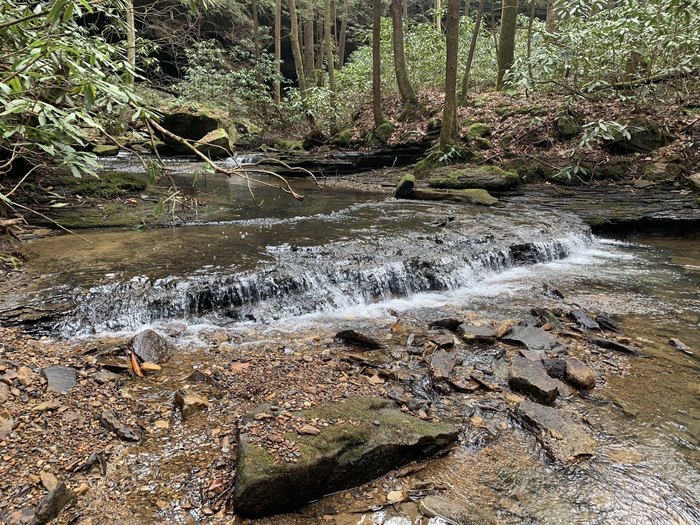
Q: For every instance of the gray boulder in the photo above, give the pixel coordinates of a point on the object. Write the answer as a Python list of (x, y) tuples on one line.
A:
[(151, 346), (364, 439), (531, 378)]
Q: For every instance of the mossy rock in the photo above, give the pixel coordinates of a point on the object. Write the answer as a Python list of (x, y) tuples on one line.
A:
[(645, 137), (105, 150), (436, 158), (568, 126), (433, 128), (342, 139), (405, 186), (107, 185), (478, 130), (614, 169), (289, 144), (215, 144), (694, 181), (530, 169), (481, 143), (473, 177), (373, 438), (190, 125), (383, 132), (471, 196)]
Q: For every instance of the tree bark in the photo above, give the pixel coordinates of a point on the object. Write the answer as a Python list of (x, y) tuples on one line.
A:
[(330, 60), (377, 62), (296, 49), (278, 50), (530, 21), (438, 15), (506, 41), (470, 54), (404, 83), (309, 56), (130, 39), (552, 17), (449, 114), (342, 36), (256, 35)]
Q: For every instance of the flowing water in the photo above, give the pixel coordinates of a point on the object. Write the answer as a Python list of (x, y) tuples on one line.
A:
[(340, 256)]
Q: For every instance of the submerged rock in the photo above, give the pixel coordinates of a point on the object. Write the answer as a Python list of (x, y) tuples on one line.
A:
[(152, 347), (584, 320), (531, 378), (373, 438), (462, 513), (564, 439), (469, 332), (355, 338), (532, 338), (614, 345)]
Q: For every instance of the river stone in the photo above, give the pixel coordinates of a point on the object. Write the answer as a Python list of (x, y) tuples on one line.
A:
[(357, 339), (462, 513), (403, 190), (188, 125), (152, 347), (442, 364), (584, 320), (190, 403), (53, 503), (7, 423), (564, 439), (613, 345), (532, 338), (215, 143), (530, 377), (694, 181), (60, 379), (470, 332), (578, 374), (375, 439), (110, 420), (105, 150), (473, 177)]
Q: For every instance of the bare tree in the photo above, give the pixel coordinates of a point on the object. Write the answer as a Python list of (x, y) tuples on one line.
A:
[(404, 83), (506, 41), (449, 113)]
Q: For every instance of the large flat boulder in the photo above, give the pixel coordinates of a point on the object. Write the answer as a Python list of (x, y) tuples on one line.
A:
[(364, 438), (459, 177), (531, 378), (532, 338), (563, 438)]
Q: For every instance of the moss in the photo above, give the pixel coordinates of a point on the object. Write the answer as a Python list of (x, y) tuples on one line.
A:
[(529, 170), (477, 177), (105, 150), (343, 138), (478, 130), (289, 144), (383, 132), (614, 169), (107, 185), (567, 126), (482, 143)]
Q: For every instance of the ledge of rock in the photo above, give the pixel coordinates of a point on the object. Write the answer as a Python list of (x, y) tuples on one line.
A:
[(471, 196), (561, 437), (364, 439), (473, 177)]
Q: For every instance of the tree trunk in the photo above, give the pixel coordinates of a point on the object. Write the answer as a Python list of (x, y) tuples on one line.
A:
[(278, 51), (438, 15), (296, 49), (256, 35), (342, 36), (377, 62), (309, 56), (402, 80), (506, 41), (130, 39), (530, 21), (470, 55), (552, 17), (329, 59), (449, 114)]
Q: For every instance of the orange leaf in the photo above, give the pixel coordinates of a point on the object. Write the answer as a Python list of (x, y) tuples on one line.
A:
[(237, 368), (135, 365)]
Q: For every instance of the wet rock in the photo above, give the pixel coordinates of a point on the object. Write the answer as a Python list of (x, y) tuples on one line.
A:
[(448, 323), (53, 503), (151, 346), (578, 374), (530, 377), (546, 317), (463, 513), (403, 190), (564, 439), (189, 403), (584, 320), (556, 368), (60, 379), (442, 364), (355, 338), (680, 345), (470, 332), (471, 196), (532, 338), (342, 455), (7, 423), (606, 323), (613, 345), (644, 137), (110, 420)]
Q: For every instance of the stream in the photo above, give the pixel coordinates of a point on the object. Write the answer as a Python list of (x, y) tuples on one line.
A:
[(344, 258)]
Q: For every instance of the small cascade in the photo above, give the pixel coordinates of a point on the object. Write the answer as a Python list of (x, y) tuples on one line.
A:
[(368, 268)]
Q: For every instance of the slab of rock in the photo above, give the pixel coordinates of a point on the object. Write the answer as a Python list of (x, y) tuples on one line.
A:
[(606, 323), (613, 345), (578, 374), (151, 346), (533, 338), (556, 368), (463, 513), (531, 378), (4, 392), (53, 503), (473, 177), (442, 364), (584, 320), (564, 439), (342, 455), (471, 196), (60, 379), (469, 332), (189, 403), (357, 339), (448, 323), (110, 420), (7, 423)]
